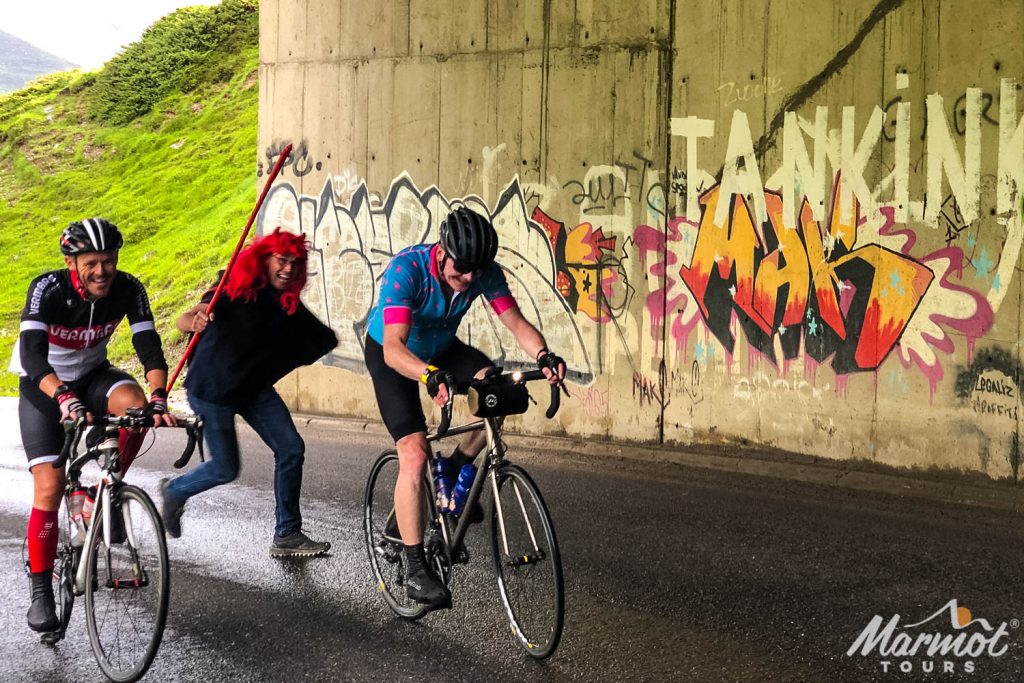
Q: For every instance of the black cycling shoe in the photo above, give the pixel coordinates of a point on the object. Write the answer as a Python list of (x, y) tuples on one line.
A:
[(421, 583), (423, 586), (42, 615)]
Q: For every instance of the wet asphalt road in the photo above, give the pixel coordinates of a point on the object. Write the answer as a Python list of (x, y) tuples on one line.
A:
[(672, 574)]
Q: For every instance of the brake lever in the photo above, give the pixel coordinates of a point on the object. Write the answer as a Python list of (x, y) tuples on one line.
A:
[(186, 454), (556, 401), (446, 417), (72, 435)]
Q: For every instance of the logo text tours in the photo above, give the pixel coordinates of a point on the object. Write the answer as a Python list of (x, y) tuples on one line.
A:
[(951, 640)]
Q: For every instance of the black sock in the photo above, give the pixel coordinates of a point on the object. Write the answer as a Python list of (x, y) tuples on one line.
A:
[(414, 556)]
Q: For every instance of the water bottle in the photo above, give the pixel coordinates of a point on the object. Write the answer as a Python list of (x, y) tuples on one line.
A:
[(76, 506), (443, 477), (88, 505), (462, 486)]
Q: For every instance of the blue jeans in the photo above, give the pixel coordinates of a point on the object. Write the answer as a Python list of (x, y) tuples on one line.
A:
[(269, 417)]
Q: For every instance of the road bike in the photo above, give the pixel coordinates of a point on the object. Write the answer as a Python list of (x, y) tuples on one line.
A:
[(524, 548), (118, 560)]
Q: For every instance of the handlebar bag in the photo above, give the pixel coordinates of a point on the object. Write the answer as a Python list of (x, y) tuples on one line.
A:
[(498, 397)]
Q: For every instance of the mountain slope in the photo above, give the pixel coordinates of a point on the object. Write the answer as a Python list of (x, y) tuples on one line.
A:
[(179, 178), (20, 62)]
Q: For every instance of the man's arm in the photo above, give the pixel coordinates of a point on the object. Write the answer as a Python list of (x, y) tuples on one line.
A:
[(529, 339), (34, 341), (156, 379), (403, 361), (397, 354)]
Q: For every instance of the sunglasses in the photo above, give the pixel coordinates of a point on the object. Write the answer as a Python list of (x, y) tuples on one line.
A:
[(463, 269)]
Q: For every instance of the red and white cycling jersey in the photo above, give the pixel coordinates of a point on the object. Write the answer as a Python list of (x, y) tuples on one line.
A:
[(62, 332)]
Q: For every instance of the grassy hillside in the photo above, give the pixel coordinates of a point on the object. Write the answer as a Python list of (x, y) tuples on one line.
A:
[(162, 141)]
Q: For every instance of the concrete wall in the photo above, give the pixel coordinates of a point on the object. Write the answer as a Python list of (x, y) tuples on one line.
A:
[(790, 223)]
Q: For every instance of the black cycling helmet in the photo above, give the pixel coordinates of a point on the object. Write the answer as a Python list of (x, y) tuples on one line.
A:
[(90, 234), (469, 239)]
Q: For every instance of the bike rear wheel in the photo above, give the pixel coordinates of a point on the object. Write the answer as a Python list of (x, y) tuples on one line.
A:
[(127, 586), (384, 545), (527, 562)]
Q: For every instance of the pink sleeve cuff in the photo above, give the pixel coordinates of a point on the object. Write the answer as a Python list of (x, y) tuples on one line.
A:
[(396, 315), (502, 304)]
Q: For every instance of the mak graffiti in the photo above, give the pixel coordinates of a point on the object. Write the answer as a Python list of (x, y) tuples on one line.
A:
[(819, 288)]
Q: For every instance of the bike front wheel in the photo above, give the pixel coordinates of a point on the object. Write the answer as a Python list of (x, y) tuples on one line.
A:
[(527, 562), (127, 585), (384, 544)]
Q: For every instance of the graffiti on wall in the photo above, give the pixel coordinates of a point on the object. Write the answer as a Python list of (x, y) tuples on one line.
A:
[(991, 387), (299, 161), (554, 273), (817, 287), (814, 262), (832, 272)]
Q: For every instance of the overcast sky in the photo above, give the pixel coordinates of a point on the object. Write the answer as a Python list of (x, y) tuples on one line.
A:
[(85, 32)]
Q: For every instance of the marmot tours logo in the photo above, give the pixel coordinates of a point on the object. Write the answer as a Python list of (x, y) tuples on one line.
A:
[(949, 641)]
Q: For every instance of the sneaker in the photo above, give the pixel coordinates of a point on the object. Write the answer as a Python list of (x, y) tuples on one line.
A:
[(423, 586), (170, 509), (42, 615), (297, 544)]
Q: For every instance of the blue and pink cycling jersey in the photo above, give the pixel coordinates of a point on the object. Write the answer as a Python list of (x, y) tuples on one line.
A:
[(410, 293)]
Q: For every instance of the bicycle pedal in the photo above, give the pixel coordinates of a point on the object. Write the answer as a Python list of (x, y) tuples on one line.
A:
[(51, 638), (387, 551), (461, 556)]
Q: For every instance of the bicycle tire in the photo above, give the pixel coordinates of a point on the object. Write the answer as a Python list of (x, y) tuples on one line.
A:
[(530, 574), (64, 573), (127, 587), (385, 550)]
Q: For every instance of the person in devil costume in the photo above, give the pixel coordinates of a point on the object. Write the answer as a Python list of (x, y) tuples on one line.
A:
[(258, 333)]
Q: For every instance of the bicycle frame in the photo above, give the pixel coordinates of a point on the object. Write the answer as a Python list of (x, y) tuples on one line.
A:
[(486, 462), (111, 479), (483, 462)]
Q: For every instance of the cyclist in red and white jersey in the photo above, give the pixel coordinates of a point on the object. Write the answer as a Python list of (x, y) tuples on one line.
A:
[(61, 357)]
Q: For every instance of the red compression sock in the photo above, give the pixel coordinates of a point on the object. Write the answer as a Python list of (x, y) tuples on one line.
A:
[(42, 539), (129, 441)]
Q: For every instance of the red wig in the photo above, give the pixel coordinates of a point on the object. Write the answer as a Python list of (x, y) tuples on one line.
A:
[(249, 274)]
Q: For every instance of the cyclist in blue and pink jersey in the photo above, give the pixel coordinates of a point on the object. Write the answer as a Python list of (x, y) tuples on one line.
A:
[(424, 294)]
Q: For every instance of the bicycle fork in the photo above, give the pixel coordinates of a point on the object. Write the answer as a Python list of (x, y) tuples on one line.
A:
[(514, 560), (104, 497)]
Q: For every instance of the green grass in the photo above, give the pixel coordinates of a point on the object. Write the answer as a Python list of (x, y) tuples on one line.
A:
[(181, 210)]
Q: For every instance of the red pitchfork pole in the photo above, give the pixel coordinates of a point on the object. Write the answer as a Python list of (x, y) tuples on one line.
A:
[(231, 264)]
